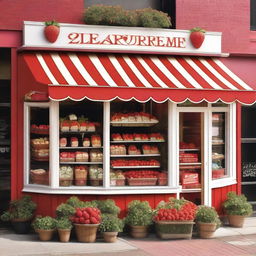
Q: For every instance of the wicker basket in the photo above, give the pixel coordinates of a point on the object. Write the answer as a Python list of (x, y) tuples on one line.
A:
[(162, 181), (117, 182), (174, 229), (66, 182), (96, 182), (41, 179), (142, 181)]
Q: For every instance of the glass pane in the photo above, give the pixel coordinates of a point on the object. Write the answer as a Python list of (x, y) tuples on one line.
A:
[(190, 157), (138, 146), (218, 146), (39, 141), (81, 149)]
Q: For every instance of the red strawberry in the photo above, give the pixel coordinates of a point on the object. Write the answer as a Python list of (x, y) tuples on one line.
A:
[(197, 37), (51, 31)]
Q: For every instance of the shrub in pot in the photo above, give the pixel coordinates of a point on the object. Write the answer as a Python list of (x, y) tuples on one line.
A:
[(45, 227), (207, 220), (237, 208), (107, 206), (139, 217), (110, 226), (20, 214), (64, 226)]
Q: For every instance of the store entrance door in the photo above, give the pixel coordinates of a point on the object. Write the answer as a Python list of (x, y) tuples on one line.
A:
[(192, 139), (5, 121)]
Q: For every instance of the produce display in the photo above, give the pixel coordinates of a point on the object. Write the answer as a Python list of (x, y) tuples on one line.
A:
[(96, 156), (141, 174), (118, 149), (66, 175), (39, 176), (117, 178), (122, 162), (133, 117), (87, 215), (188, 157), (95, 172), (81, 173), (82, 156), (185, 145), (40, 129), (40, 143), (137, 137)]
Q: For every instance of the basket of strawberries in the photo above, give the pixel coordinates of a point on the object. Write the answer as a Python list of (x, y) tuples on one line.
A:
[(86, 222), (175, 218)]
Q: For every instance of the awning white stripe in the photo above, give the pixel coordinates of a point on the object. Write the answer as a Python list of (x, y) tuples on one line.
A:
[(46, 69), (202, 74), (77, 63), (217, 74), (167, 73), (232, 75), (121, 71), (63, 69), (135, 70), (152, 73), (101, 69), (184, 72)]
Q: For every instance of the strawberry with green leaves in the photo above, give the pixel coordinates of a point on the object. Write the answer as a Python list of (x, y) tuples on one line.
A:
[(51, 31), (197, 36)]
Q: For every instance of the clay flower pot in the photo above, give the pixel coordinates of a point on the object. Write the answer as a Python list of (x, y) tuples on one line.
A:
[(64, 235), (86, 233), (110, 237), (236, 221), (206, 230), (45, 234), (139, 231)]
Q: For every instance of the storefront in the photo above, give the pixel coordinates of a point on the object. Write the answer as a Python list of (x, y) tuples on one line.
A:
[(131, 114)]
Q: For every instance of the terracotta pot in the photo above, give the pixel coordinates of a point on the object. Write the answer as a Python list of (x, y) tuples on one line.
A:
[(110, 237), (236, 221), (64, 235), (45, 235), (86, 233), (206, 230), (139, 231)]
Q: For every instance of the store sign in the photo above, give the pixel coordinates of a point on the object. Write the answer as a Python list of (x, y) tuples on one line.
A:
[(120, 39)]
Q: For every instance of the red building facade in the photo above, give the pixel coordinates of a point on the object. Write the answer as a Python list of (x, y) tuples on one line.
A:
[(237, 40)]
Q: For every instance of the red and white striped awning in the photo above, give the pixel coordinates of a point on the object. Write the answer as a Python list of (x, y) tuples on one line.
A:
[(105, 77)]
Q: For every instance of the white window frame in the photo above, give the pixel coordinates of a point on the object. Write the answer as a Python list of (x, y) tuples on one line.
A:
[(173, 154)]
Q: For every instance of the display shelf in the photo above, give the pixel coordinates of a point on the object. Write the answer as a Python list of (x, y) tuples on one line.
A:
[(133, 124), (81, 163), (5, 104), (190, 149), (80, 147), (136, 141), (136, 167), (218, 143), (77, 132), (141, 155), (181, 164), (248, 140), (191, 190)]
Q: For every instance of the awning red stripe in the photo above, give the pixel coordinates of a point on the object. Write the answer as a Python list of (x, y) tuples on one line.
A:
[(112, 71), (209, 73), (73, 70), (176, 73), (53, 68), (129, 72), (158, 72), (194, 74), (224, 74), (91, 69), (36, 69), (143, 71)]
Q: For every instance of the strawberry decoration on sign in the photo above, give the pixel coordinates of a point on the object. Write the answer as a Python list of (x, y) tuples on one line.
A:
[(51, 31), (197, 37)]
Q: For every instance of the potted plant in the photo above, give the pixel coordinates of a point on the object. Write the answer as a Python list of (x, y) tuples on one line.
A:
[(64, 227), (139, 217), (45, 227), (20, 214), (174, 218), (108, 206), (86, 221), (207, 220), (110, 226), (237, 208)]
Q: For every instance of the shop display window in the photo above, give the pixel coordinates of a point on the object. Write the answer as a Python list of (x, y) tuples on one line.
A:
[(138, 144), (80, 144), (219, 145), (38, 145)]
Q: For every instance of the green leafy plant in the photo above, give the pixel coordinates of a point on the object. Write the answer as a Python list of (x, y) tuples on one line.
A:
[(237, 205), (207, 214), (22, 208), (111, 223), (117, 16), (44, 223), (108, 206), (64, 211), (139, 213), (63, 223)]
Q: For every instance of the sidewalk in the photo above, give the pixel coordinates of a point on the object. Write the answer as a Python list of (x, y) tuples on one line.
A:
[(227, 241)]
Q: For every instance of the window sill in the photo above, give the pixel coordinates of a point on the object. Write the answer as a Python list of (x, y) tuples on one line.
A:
[(223, 182), (101, 191)]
